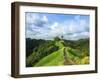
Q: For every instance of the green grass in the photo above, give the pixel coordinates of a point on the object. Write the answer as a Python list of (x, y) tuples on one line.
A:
[(54, 59), (58, 57)]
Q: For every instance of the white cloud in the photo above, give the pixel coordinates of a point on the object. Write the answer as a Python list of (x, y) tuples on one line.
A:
[(31, 18), (45, 19), (76, 25), (76, 36), (42, 28), (54, 25)]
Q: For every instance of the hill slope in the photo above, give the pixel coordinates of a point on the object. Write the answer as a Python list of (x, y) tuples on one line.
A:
[(54, 59), (59, 52)]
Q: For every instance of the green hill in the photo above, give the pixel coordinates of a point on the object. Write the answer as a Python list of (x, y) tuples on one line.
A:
[(59, 52), (54, 59)]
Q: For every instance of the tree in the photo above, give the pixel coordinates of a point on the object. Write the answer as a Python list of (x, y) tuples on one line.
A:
[(56, 38), (62, 37)]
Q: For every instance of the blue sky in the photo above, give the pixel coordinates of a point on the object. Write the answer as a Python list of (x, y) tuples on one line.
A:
[(47, 26)]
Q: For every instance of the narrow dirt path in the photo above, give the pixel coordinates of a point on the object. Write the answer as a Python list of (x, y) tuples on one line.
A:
[(66, 60)]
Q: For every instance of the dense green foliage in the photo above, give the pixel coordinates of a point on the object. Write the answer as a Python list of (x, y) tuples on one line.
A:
[(40, 51), (32, 44), (56, 52)]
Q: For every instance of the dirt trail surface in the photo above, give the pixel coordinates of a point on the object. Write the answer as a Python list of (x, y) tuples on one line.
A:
[(66, 60)]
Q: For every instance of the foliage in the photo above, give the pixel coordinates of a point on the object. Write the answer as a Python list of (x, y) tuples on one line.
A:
[(41, 51), (56, 52)]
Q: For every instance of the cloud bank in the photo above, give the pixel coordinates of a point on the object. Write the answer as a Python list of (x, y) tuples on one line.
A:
[(48, 26)]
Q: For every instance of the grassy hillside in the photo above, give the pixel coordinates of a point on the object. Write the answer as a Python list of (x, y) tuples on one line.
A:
[(41, 51), (57, 52), (54, 59)]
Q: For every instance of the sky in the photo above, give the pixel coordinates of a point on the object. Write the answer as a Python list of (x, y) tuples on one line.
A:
[(49, 25)]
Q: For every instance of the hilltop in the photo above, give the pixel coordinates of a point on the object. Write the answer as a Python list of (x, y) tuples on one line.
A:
[(56, 52)]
